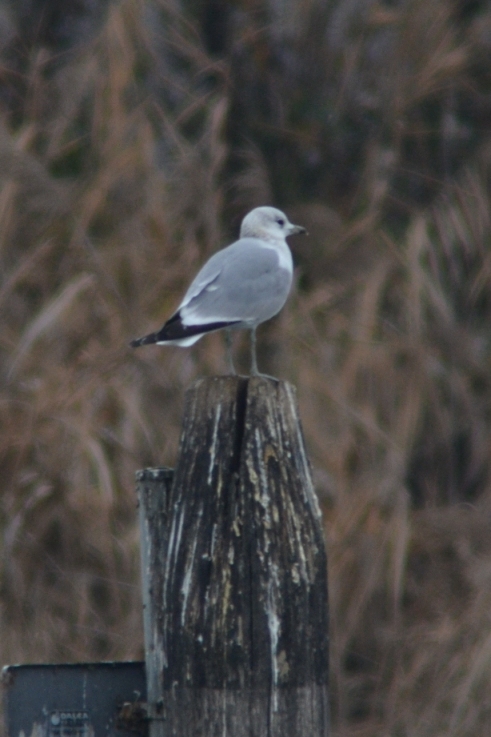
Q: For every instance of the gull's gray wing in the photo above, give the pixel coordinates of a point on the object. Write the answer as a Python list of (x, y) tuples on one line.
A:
[(244, 282)]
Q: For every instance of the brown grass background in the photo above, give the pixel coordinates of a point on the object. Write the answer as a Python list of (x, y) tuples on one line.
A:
[(134, 135)]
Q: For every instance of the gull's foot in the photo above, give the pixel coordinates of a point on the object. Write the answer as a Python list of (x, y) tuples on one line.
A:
[(258, 375)]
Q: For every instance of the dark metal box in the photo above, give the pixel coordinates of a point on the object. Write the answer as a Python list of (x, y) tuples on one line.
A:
[(80, 700)]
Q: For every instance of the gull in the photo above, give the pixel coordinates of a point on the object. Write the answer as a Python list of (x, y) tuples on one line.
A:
[(238, 288)]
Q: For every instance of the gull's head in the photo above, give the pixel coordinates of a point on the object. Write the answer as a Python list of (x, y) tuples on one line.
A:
[(269, 224)]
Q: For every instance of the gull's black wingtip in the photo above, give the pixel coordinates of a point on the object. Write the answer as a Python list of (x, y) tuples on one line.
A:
[(146, 340)]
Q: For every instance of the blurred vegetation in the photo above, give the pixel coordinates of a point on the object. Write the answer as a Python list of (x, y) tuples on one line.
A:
[(134, 135)]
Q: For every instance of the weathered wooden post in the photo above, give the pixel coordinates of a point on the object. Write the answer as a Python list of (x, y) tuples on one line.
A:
[(235, 571)]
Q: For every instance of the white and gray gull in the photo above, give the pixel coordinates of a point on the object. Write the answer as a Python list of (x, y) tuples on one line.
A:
[(240, 286)]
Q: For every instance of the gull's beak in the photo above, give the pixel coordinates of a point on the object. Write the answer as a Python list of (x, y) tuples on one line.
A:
[(296, 230)]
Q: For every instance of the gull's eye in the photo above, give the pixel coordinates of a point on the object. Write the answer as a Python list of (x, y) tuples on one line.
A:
[(280, 222)]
